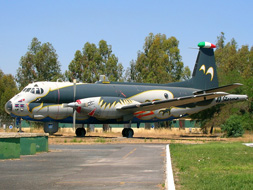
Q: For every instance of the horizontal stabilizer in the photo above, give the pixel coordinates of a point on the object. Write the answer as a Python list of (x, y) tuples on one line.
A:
[(219, 89), (149, 106)]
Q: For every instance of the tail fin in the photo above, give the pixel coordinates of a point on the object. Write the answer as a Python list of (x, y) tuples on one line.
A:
[(204, 75)]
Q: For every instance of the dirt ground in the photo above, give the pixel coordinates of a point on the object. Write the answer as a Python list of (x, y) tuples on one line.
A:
[(143, 136), (147, 136)]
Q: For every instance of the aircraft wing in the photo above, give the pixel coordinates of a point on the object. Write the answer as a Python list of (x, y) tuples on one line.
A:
[(219, 89), (149, 106)]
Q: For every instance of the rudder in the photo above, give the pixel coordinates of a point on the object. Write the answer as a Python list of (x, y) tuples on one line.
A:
[(204, 75)]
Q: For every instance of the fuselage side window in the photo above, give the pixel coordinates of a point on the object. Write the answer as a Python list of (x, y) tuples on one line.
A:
[(41, 91)]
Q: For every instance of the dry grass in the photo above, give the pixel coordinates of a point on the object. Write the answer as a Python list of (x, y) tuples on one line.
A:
[(140, 136), (145, 136)]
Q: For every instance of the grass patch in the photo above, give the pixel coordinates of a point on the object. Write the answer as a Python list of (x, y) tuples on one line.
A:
[(213, 166), (73, 140), (99, 140)]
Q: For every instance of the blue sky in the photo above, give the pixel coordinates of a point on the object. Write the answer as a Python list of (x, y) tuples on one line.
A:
[(68, 25)]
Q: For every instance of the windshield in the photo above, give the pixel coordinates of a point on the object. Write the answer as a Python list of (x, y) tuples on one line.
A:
[(37, 91)]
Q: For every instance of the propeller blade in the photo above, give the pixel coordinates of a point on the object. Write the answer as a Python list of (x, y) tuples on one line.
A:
[(74, 88), (74, 119), (73, 105)]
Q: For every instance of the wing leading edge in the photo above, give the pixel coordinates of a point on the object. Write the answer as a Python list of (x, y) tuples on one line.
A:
[(149, 106)]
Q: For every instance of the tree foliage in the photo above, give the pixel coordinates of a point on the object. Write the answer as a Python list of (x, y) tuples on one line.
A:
[(8, 89), (40, 63), (131, 74), (233, 127), (93, 61), (159, 62), (234, 65), (186, 73)]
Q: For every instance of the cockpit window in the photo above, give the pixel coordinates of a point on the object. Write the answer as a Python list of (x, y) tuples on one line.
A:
[(24, 90), (37, 91), (28, 89)]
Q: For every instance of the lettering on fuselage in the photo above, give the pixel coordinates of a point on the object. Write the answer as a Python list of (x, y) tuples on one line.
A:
[(226, 99), (90, 103)]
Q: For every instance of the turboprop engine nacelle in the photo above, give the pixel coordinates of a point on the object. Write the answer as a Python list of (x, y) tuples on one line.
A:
[(103, 107)]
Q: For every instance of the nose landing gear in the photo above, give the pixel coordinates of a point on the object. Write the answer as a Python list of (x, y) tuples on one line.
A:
[(18, 124)]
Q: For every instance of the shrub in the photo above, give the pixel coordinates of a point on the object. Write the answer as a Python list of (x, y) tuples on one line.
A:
[(247, 121), (233, 126)]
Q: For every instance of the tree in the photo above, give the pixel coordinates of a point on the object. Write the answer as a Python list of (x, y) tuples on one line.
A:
[(8, 89), (186, 74), (207, 118), (131, 74), (159, 62), (220, 41), (40, 63), (233, 65), (94, 61)]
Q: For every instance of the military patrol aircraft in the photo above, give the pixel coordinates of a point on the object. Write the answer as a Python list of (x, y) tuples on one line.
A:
[(108, 102)]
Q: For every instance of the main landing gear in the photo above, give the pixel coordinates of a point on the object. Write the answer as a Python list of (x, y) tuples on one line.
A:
[(128, 132), (80, 132)]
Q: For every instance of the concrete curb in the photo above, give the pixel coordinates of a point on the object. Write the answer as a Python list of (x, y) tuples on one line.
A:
[(19, 135), (12, 145), (169, 172)]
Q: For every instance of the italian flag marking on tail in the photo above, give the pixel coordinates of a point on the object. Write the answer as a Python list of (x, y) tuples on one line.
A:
[(206, 45)]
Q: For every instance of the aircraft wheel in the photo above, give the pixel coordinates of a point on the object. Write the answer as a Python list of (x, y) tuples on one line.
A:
[(124, 132), (80, 132), (128, 132)]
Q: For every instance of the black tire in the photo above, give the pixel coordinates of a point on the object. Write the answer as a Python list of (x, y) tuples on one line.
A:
[(80, 132), (125, 132), (128, 132)]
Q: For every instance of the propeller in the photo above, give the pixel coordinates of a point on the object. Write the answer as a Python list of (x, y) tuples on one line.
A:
[(74, 108), (74, 105)]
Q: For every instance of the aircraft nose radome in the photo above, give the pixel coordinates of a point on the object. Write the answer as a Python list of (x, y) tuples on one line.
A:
[(8, 107)]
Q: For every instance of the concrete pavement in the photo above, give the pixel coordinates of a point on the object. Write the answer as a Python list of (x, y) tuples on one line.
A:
[(116, 166)]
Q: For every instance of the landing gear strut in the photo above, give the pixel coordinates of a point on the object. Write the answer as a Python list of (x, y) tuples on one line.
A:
[(80, 132), (18, 124), (128, 132)]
